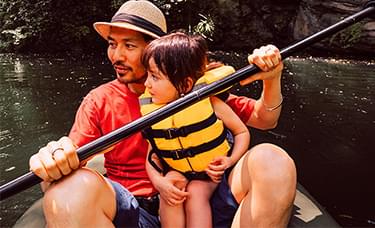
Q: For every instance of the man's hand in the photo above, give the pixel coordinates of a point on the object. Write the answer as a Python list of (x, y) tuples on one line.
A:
[(268, 59), (55, 160), (172, 188)]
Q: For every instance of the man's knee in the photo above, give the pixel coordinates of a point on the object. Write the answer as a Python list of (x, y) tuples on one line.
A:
[(271, 162), (273, 169), (68, 193), (81, 199)]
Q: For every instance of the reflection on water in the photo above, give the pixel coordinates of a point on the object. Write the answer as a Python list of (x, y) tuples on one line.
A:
[(38, 98), (329, 121), (328, 127), (327, 124)]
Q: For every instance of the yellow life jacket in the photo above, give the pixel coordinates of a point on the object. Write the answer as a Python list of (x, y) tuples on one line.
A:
[(188, 140)]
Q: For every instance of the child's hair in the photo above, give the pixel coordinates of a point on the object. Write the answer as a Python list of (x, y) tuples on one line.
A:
[(178, 56)]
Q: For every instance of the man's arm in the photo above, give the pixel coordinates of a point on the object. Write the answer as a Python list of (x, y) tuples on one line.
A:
[(264, 112), (267, 108)]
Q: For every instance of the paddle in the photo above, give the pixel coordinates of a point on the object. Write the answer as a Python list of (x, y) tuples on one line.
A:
[(30, 179)]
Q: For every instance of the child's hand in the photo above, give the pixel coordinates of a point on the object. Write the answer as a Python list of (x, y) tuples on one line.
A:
[(217, 166), (172, 188)]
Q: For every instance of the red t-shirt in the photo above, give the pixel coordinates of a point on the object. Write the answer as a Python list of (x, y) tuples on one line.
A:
[(242, 106), (111, 106), (104, 109)]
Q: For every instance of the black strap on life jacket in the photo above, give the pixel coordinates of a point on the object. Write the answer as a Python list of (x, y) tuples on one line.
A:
[(184, 131), (165, 166), (149, 158), (192, 175), (192, 151)]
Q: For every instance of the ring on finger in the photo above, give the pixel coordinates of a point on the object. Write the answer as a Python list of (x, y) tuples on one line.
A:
[(54, 151)]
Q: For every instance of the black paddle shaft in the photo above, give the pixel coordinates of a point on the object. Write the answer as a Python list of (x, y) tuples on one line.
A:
[(30, 179)]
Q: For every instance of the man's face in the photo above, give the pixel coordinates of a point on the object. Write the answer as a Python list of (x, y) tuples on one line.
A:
[(125, 48)]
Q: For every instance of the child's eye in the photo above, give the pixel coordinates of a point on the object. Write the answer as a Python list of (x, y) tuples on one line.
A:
[(154, 77)]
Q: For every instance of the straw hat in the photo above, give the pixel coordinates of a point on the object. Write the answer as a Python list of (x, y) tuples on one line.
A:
[(141, 16)]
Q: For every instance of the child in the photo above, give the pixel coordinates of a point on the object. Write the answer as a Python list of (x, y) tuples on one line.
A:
[(192, 143)]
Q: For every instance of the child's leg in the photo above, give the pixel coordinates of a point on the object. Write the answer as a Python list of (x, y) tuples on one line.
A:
[(197, 206), (172, 216)]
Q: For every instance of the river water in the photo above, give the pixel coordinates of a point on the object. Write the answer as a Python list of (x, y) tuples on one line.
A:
[(327, 124)]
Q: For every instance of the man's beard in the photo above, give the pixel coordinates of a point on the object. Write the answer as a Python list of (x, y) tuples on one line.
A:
[(126, 79), (129, 76)]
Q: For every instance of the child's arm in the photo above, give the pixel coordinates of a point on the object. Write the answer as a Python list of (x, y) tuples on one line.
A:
[(166, 185), (241, 139)]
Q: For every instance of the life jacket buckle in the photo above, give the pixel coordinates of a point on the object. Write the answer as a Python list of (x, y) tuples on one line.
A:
[(182, 153), (176, 132), (172, 133), (176, 154)]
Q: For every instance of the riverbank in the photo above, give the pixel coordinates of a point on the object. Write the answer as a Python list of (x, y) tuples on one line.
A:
[(229, 25)]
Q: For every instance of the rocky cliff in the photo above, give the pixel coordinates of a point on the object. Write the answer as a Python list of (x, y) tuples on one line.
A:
[(246, 24), (314, 16)]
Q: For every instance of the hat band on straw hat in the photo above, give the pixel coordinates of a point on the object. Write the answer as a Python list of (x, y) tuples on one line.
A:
[(138, 21)]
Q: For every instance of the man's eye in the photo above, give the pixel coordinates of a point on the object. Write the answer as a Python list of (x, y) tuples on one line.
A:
[(130, 46), (111, 44)]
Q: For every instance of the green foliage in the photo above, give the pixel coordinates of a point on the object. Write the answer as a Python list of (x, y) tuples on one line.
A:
[(193, 16), (16, 35), (205, 27), (48, 25), (66, 26), (177, 12), (20, 23), (348, 37)]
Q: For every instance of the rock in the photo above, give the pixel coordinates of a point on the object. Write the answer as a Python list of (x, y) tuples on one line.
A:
[(314, 16), (247, 24)]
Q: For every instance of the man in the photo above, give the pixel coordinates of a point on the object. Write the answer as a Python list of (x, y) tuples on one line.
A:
[(258, 191)]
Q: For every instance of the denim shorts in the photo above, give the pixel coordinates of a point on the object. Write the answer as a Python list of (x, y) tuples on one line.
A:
[(223, 204), (128, 211)]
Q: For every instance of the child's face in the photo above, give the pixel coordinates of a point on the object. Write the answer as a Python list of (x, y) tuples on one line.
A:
[(159, 86)]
